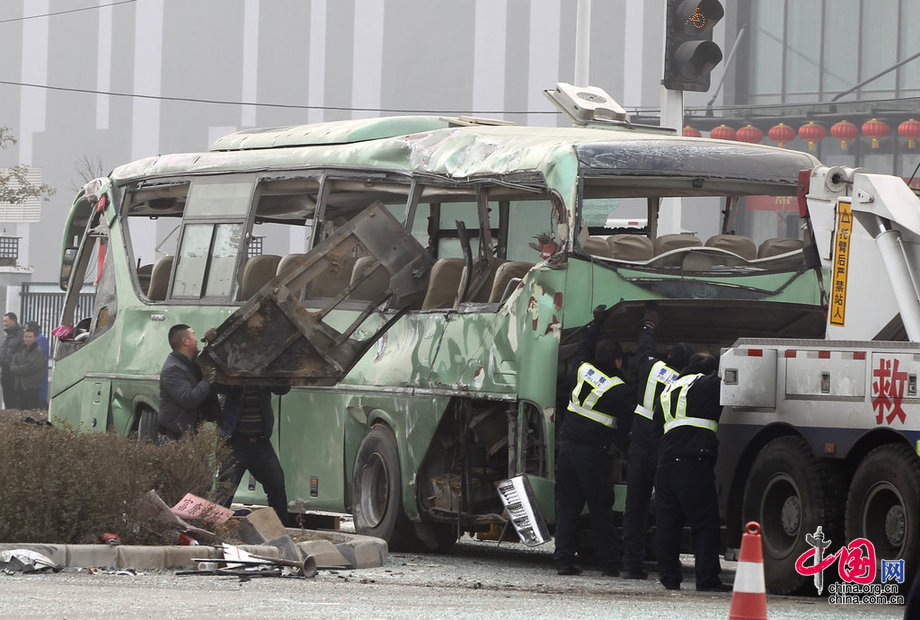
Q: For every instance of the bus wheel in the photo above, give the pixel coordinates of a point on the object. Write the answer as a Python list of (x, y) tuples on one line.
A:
[(147, 424), (378, 491), (790, 493), (883, 504)]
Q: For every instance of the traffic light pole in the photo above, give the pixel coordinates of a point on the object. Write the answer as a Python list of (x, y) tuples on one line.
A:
[(582, 42), (672, 115)]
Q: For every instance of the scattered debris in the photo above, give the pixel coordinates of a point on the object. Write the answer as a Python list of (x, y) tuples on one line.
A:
[(26, 561), (172, 521)]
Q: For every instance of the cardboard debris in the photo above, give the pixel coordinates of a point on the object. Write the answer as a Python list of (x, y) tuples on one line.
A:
[(194, 507), (170, 520)]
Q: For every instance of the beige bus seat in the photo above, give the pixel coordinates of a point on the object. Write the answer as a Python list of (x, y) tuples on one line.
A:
[(373, 287), (159, 278), (506, 272), (257, 272), (675, 241), (286, 261), (779, 245), (443, 283), (596, 246), (630, 247), (737, 244), (143, 276), (482, 295), (332, 281)]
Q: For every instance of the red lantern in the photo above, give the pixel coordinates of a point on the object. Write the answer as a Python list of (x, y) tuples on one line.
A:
[(691, 132), (722, 132), (910, 130), (844, 131), (781, 134), (749, 134), (812, 133), (876, 130)]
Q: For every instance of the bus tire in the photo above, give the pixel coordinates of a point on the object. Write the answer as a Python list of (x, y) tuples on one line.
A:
[(884, 490), (377, 497), (790, 492), (147, 424)]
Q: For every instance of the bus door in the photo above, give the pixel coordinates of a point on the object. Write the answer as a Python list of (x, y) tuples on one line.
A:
[(86, 261)]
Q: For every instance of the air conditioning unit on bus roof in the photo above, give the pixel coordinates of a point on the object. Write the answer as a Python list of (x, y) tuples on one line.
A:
[(586, 103)]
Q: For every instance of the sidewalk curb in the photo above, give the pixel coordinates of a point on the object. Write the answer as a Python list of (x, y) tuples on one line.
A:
[(329, 548)]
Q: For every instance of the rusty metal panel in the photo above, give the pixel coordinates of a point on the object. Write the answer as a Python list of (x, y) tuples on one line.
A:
[(282, 335)]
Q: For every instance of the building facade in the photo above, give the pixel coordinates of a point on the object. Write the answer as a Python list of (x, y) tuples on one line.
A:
[(91, 84)]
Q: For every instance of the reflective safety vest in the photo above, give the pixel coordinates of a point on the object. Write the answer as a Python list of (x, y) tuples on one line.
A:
[(674, 406), (660, 376), (600, 383)]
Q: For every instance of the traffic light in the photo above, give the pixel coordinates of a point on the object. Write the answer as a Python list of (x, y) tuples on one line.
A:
[(689, 53)]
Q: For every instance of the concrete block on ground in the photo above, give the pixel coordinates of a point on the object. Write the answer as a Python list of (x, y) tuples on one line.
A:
[(260, 526), (286, 548), (364, 554), (325, 553)]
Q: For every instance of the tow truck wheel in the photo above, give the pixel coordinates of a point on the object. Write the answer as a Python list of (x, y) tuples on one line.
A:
[(790, 493), (378, 491), (147, 424), (883, 505)]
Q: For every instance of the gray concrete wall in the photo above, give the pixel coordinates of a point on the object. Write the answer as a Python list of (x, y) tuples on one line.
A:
[(486, 57)]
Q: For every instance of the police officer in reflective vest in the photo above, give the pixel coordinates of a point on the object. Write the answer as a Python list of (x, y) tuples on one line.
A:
[(583, 464), (685, 489), (642, 457)]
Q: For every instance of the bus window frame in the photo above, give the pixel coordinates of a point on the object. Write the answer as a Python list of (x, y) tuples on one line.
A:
[(243, 219)]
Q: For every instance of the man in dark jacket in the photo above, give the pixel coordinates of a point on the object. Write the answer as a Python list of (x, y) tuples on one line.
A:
[(186, 396), (642, 457), (29, 369), (247, 420), (583, 463), (11, 343), (42, 342), (685, 488)]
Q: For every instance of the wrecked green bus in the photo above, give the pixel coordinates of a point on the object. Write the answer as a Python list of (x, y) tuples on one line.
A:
[(420, 283)]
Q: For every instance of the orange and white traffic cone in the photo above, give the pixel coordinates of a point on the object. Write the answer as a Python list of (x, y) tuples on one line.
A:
[(749, 594)]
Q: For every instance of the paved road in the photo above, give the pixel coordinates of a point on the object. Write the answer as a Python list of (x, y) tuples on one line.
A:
[(478, 580)]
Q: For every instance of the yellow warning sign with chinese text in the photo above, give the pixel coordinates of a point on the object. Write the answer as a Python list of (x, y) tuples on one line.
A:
[(841, 254)]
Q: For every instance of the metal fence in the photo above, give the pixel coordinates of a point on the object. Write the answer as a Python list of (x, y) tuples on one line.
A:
[(43, 303)]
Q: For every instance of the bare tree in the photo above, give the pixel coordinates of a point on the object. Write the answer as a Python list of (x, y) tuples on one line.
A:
[(88, 167), (15, 187)]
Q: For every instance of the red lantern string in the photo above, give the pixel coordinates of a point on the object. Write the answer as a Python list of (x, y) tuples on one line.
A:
[(910, 129), (749, 134), (812, 133), (876, 130), (722, 132), (781, 134), (844, 131)]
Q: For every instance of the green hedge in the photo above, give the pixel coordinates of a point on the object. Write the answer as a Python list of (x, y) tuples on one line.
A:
[(64, 486)]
